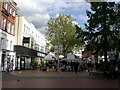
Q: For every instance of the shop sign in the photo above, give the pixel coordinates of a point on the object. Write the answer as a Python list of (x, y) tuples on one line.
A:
[(40, 54)]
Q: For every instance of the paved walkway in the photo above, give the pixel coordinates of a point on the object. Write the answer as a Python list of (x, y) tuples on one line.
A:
[(29, 74), (41, 79), (38, 73)]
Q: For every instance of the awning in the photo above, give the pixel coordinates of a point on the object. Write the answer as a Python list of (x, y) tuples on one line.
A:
[(21, 50)]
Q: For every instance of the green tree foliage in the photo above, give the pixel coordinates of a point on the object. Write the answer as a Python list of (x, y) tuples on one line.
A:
[(100, 36), (62, 31), (52, 49), (117, 26)]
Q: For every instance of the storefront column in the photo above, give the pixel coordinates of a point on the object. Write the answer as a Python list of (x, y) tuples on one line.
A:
[(0, 60), (18, 63), (3, 61)]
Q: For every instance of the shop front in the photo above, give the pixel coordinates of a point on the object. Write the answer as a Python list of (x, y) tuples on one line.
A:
[(24, 57), (27, 57), (48, 65), (38, 60), (5, 57)]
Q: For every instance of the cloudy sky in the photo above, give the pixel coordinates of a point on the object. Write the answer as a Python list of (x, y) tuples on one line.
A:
[(39, 11)]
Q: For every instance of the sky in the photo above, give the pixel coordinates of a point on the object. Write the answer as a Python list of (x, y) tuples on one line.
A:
[(39, 11)]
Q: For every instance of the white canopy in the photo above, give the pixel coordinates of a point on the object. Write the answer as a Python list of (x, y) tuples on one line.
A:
[(71, 57), (50, 56)]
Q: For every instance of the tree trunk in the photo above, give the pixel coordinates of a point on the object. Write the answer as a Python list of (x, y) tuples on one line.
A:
[(105, 32), (105, 55)]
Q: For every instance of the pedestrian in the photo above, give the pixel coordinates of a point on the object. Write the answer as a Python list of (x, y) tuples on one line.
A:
[(8, 66), (11, 66), (71, 66), (76, 64), (35, 66)]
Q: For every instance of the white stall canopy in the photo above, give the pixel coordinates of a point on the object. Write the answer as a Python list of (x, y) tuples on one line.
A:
[(50, 56), (71, 57)]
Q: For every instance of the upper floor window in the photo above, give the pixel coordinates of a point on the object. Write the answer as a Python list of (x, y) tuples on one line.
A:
[(13, 13), (5, 5), (1, 44), (9, 25), (11, 44), (36, 37), (27, 31), (24, 28), (3, 23), (12, 29), (32, 33), (42, 49), (10, 10)]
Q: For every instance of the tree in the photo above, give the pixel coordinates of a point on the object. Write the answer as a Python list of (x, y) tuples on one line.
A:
[(52, 49), (100, 35), (62, 31), (117, 26)]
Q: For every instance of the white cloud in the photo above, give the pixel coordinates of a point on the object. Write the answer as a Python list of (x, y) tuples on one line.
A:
[(40, 20), (43, 29), (39, 10)]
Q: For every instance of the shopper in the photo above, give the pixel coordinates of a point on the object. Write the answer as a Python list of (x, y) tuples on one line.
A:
[(76, 64), (11, 66), (8, 66)]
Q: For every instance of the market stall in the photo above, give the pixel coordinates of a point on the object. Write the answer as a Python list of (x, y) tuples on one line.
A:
[(68, 62), (49, 63)]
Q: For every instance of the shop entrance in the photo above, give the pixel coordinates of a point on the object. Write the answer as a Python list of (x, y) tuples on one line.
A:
[(22, 64)]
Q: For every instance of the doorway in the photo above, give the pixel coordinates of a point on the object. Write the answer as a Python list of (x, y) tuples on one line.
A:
[(22, 64)]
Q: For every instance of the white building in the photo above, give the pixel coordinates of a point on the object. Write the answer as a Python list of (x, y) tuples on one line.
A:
[(6, 49), (30, 43)]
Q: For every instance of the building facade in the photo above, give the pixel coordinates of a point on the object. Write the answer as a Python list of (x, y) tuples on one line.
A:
[(30, 44), (8, 9)]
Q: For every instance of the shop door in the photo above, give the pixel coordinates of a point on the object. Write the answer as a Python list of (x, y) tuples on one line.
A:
[(22, 64)]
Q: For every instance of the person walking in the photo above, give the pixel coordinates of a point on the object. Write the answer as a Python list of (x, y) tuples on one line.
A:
[(8, 66), (11, 66), (76, 64)]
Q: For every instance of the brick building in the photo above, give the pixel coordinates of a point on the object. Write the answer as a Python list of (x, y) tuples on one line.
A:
[(8, 9)]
